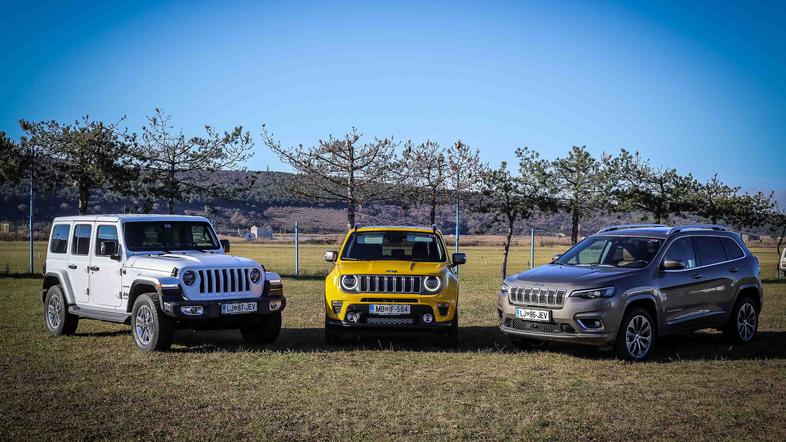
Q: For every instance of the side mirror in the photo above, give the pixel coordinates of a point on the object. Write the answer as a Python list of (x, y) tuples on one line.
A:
[(225, 245), (107, 247), (556, 257), (459, 259), (331, 256), (672, 265)]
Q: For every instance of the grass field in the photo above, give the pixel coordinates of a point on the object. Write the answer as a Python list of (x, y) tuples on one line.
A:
[(211, 385)]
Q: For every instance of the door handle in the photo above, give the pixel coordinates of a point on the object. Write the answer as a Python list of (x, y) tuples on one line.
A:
[(72, 266), (734, 270), (93, 268), (697, 276)]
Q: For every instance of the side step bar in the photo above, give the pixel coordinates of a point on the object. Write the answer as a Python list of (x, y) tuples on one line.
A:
[(101, 315)]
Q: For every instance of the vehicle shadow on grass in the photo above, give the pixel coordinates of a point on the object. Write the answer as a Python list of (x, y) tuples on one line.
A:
[(702, 345)]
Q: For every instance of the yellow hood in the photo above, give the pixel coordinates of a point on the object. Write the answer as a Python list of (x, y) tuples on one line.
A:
[(389, 267)]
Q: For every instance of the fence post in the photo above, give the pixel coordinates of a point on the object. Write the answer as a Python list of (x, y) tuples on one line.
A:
[(532, 249), (297, 248), (32, 246)]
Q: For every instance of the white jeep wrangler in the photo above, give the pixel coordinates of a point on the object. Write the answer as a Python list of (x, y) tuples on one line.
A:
[(156, 273)]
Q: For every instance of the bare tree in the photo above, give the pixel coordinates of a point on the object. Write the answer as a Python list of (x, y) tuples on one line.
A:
[(342, 170), (584, 185), (175, 166), (512, 198), (89, 155), (464, 175), (642, 187), (425, 168)]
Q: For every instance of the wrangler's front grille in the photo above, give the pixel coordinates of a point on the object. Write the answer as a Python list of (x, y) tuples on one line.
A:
[(390, 284), (542, 296), (224, 280)]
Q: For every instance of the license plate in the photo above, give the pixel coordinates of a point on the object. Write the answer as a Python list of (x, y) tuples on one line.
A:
[(388, 309), (238, 308), (531, 314)]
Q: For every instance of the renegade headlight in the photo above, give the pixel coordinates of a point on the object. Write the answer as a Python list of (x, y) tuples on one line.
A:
[(606, 292), (255, 275), (349, 282), (189, 277), (432, 283)]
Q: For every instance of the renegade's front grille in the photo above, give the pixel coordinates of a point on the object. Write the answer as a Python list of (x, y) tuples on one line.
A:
[(390, 284), (224, 280), (375, 320), (543, 296)]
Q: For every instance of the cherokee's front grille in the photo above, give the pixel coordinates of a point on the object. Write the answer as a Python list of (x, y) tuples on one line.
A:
[(543, 296), (542, 327), (390, 284), (224, 280)]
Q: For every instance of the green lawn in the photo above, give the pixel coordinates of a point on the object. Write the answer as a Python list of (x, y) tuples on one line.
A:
[(211, 385)]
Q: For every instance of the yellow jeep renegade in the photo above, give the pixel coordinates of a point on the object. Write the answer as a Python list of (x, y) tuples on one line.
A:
[(392, 278)]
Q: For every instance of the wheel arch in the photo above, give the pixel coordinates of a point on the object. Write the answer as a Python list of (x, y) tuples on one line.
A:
[(751, 290), (53, 278), (648, 303)]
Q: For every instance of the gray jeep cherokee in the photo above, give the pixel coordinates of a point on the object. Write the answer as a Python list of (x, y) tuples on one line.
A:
[(625, 286)]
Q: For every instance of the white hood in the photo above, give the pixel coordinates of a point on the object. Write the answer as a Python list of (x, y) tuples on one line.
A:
[(193, 260)]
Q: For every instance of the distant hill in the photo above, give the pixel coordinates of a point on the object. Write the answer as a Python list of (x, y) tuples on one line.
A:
[(269, 205)]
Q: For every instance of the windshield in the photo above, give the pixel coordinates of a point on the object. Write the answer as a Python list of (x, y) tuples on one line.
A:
[(612, 251), (396, 246), (167, 236)]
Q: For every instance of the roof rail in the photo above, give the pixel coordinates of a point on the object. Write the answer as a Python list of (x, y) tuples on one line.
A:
[(689, 227), (629, 226)]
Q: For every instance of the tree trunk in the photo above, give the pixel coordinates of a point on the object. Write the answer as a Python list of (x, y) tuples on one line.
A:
[(778, 260), (507, 249), (574, 232), (171, 204), (433, 213), (172, 189), (84, 197)]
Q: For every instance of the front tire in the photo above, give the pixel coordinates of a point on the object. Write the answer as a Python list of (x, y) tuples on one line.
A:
[(263, 332), (332, 335), (152, 330), (743, 323), (56, 317), (636, 336)]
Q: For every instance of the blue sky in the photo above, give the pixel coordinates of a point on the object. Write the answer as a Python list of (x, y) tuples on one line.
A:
[(692, 85)]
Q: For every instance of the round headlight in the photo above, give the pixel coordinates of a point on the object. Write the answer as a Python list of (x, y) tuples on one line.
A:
[(349, 282), (189, 277), (255, 275), (432, 283)]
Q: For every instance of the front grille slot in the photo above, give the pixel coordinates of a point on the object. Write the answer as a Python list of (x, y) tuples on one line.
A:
[(390, 284), (539, 296), (541, 327), (232, 280), (376, 320)]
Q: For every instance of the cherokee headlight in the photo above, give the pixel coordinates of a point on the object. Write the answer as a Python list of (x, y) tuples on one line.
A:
[(505, 288), (189, 277), (255, 275), (606, 292), (349, 282), (432, 283)]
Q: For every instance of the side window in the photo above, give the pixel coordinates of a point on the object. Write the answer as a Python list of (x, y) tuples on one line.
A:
[(106, 244), (80, 244), (733, 251), (59, 241), (682, 250), (709, 250)]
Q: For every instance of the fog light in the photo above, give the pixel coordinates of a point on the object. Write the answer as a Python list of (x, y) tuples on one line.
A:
[(336, 306), (192, 310), (591, 323), (275, 305), (443, 308), (352, 317), (427, 318)]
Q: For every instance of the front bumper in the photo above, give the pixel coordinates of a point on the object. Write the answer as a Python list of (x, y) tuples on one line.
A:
[(364, 320), (172, 306), (570, 322)]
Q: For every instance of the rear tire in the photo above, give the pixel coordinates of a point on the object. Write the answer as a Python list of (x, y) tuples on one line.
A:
[(743, 323), (152, 330), (636, 336), (332, 335), (56, 317), (264, 332)]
